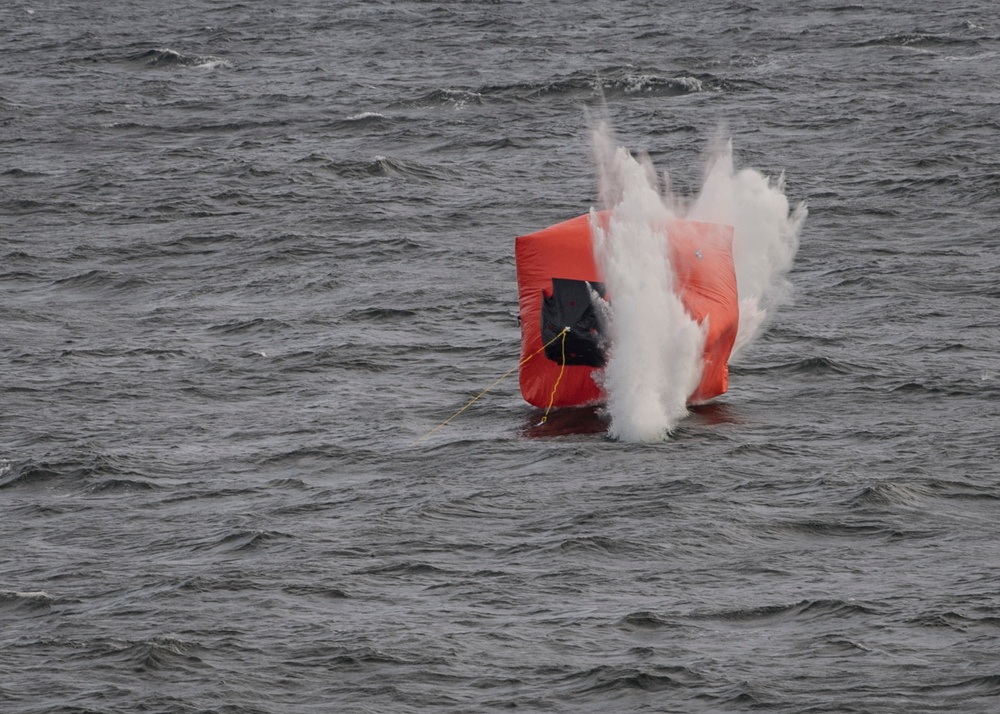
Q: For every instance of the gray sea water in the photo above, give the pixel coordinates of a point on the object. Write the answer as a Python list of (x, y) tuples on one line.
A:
[(250, 252)]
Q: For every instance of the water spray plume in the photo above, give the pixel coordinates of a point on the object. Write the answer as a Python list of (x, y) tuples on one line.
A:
[(655, 350), (655, 345)]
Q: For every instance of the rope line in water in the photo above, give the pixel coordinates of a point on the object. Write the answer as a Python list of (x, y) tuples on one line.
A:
[(507, 374)]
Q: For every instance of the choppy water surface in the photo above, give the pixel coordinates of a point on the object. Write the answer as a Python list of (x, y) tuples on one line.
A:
[(249, 253)]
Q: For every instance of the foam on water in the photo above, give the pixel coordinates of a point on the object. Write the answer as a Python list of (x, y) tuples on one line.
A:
[(655, 346)]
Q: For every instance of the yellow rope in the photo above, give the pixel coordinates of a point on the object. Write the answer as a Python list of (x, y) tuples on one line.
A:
[(562, 368), (503, 377)]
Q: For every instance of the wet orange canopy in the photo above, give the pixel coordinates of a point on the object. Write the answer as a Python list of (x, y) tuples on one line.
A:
[(557, 275)]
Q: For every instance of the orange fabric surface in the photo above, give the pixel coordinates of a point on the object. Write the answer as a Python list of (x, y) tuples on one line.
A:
[(701, 254), (561, 251), (702, 258)]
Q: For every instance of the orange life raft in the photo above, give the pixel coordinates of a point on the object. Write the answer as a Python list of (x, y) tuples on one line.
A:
[(557, 275)]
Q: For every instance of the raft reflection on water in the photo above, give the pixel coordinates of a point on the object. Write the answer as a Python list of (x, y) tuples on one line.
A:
[(585, 421)]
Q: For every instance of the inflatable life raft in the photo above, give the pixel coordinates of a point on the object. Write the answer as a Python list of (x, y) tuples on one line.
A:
[(558, 279)]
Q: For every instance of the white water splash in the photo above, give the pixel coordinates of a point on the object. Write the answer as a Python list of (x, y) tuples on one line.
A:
[(655, 346), (765, 236), (655, 349)]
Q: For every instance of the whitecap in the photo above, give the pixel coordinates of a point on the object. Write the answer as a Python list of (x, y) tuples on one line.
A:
[(212, 63), (366, 115)]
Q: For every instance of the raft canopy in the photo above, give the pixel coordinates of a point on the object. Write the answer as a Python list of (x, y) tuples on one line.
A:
[(560, 287)]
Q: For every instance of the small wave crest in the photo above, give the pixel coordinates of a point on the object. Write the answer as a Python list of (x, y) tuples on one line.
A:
[(611, 82), (382, 167), (645, 621), (170, 58), (801, 611), (622, 678), (85, 471), (36, 474), (113, 486), (20, 602), (813, 366), (245, 540), (915, 39), (984, 686), (163, 652), (367, 118), (101, 279), (456, 98), (253, 326), (890, 495), (22, 173)]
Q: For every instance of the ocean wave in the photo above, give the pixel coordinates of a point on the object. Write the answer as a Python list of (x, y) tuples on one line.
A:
[(124, 352), (647, 621), (956, 621), (244, 540), (806, 365), (889, 494), (984, 686), (23, 173), (614, 82), (767, 448), (70, 472), (26, 206), (321, 591), (390, 167), (869, 531), (199, 243), (456, 98), (405, 568), (380, 315), (378, 248), (617, 678), (13, 601), (307, 457), (253, 326), (37, 474), (976, 384), (120, 485), (170, 58), (596, 545), (9, 104), (363, 656), (101, 279), (20, 276), (801, 611), (366, 118), (916, 39), (161, 653)]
